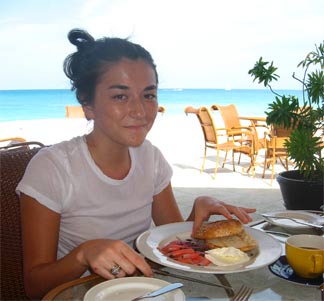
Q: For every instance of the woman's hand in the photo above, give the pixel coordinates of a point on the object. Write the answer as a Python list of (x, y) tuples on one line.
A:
[(205, 206), (102, 255)]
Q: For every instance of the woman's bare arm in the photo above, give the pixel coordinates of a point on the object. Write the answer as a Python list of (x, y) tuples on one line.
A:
[(165, 209), (43, 272), (40, 230)]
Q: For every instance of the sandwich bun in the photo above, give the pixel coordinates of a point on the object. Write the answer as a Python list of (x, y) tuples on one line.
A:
[(226, 233), (218, 229)]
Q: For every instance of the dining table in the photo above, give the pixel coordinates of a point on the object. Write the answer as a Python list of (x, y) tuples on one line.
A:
[(254, 119), (258, 124), (268, 282)]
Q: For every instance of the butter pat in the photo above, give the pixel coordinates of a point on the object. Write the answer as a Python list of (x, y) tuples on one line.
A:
[(226, 256)]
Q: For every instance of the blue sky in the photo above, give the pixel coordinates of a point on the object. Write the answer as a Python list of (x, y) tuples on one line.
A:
[(195, 43)]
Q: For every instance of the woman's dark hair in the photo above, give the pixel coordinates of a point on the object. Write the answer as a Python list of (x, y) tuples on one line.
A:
[(85, 67)]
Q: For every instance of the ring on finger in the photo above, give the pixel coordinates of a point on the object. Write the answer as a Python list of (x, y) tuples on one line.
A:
[(115, 270)]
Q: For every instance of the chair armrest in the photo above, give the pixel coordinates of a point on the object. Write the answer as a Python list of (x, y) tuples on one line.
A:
[(240, 130), (21, 145), (191, 109)]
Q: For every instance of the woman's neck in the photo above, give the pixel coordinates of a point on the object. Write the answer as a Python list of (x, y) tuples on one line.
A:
[(112, 159)]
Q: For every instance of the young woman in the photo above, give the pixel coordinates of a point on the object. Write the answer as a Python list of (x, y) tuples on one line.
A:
[(84, 201)]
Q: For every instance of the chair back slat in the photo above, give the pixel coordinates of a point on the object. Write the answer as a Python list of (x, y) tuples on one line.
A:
[(207, 125)]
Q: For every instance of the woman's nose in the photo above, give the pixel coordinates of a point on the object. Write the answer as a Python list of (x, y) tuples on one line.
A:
[(137, 108)]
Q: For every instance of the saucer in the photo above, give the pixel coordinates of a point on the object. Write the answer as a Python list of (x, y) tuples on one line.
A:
[(298, 215), (282, 269)]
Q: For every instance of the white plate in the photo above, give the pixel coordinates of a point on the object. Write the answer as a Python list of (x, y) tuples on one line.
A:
[(125, 289), (299, 215), (268, 251)]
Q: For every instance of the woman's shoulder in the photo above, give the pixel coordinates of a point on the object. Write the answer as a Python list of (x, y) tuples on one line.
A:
[(147, 150), (63, 148)]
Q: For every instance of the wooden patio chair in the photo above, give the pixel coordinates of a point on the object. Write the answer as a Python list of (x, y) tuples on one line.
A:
[(215, 138), (275, 148), (13, 163), (247, 136), (74, 112)]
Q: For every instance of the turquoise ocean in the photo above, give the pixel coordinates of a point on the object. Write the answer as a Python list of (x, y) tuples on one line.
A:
[(48, 104)]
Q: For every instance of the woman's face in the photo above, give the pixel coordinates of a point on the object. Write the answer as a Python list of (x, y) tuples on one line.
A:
[(125, 103)]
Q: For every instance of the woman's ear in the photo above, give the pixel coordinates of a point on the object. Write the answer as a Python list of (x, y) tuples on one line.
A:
[(88, 112)]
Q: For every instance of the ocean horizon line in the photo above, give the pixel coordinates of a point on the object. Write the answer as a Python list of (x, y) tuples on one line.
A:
[(171, 89), (51, 103)]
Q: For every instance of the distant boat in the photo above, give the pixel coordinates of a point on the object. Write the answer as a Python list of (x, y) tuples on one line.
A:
[(228, 88), (177, 89)]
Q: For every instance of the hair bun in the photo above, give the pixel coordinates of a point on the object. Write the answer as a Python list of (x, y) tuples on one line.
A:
[(80, 38)]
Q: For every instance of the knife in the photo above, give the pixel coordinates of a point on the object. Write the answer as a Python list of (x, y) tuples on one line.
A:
[(163, 290), (321, 227)]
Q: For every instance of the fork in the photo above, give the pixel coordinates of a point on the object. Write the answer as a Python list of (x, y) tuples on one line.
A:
[(243, 294)]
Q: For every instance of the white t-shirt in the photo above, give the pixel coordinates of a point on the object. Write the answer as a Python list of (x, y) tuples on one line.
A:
[(65, 179)]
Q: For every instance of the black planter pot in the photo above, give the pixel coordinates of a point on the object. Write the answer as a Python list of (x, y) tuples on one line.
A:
[(298, 193)]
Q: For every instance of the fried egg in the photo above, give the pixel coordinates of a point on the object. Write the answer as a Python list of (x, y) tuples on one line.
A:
[(226, 256)]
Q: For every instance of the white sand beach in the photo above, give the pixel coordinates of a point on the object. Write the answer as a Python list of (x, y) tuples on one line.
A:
[(180, 139)]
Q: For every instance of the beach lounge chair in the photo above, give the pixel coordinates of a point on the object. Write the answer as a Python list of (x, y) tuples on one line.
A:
[(247, 136), (215, 138), (13, 163)]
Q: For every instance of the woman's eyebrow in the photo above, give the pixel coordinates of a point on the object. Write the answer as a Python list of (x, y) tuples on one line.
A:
[(152, 87), (122, 87)]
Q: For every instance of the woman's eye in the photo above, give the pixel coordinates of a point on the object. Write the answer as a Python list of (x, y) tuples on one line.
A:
[(120, 97), (150, 96)]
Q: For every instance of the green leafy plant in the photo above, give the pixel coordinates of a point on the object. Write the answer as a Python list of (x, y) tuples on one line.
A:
[(306, 116)]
